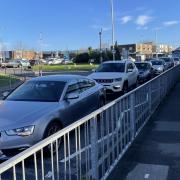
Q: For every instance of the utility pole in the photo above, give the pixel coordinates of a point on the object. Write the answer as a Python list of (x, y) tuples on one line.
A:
[(113, 36), (100, 45)]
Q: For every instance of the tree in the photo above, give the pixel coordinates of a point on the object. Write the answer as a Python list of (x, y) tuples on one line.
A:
[(116, 48), (82, 58)]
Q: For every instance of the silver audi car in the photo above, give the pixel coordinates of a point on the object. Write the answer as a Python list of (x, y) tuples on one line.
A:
[(44, 105)]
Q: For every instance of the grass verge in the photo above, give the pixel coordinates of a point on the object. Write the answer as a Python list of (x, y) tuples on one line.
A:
[(72, 67)]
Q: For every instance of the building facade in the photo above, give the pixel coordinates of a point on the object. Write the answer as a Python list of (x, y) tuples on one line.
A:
[(164, 48), (18, 54), (145, 50)]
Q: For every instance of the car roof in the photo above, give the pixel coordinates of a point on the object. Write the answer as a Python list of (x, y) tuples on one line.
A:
[(64, 78), (117, 61), (145, 62)]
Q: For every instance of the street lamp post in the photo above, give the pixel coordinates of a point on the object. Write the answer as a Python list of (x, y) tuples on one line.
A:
[(113, 36), (100, 45)]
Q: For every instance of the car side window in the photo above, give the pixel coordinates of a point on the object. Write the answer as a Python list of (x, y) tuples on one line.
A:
[(86, 84), (73, 88)]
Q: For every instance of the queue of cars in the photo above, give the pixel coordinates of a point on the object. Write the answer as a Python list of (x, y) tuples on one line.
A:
[(50, 103)]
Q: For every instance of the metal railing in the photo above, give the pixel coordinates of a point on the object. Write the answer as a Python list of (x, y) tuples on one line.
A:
[(91, 147)]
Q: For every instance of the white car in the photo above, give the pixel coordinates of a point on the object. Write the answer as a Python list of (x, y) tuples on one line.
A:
[(57, 61), (116, 76)]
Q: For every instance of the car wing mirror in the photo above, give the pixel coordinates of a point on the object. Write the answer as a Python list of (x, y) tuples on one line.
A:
[(72, 96)]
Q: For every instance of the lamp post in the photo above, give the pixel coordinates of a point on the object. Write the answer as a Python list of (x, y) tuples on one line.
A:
[(100, 45), (113, 36)]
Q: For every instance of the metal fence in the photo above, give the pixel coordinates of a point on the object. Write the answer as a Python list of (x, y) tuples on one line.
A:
[(9, 82), (91, 147)]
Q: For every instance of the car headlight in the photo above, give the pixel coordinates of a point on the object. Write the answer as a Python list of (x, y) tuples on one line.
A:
[(117, 79), (24, 131)]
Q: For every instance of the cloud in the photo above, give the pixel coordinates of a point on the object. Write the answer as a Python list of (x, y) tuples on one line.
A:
[(125, 19), (170, 23), (142, 20)]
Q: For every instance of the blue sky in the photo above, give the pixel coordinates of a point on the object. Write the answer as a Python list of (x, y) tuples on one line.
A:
[(69, 24)]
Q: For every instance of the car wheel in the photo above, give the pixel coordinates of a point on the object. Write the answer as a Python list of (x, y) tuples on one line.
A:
[(10, 152), (50, 130), (136, 84), (125, 88)]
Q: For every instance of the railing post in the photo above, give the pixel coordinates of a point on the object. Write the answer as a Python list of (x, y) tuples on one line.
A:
[(94, 148), (132, 116)]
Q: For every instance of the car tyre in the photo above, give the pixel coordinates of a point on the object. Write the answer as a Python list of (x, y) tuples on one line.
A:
[(10, 152), (125, 88), (51, 129)]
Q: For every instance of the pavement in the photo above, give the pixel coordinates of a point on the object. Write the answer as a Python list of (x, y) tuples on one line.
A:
[(155, 154)]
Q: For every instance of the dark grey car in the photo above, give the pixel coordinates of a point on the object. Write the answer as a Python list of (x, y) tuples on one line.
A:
[(44, 105), (146, 71)]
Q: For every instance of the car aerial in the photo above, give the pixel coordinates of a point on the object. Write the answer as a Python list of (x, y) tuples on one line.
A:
[(44, 105), (176, 60), (146, 71), (158, 65), (116, 76), (169, 61)]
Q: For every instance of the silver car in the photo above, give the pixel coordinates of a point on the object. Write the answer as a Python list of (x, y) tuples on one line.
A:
[(158, 66), (11, 64), (44, 105)]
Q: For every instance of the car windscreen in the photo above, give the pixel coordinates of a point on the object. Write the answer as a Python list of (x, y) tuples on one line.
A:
[(142, 66), (176, 59), (166, 59), (111, 67), (41, 91), (157, 62)]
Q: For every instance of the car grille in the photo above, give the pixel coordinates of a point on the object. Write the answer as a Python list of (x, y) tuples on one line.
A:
[(104, 80)]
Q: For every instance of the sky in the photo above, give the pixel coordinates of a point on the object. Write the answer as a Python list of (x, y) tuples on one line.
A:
[(71, 25)]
